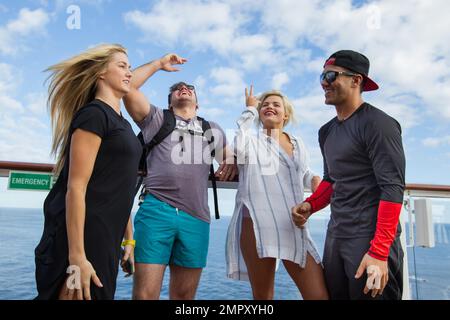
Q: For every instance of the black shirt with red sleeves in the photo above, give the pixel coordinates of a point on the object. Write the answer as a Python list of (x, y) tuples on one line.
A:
[(364, 160)]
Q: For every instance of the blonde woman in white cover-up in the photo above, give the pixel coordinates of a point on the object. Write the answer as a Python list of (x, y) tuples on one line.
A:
[(273, 172)]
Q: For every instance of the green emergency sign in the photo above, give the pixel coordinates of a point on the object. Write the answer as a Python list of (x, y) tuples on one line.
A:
[(20, 180)]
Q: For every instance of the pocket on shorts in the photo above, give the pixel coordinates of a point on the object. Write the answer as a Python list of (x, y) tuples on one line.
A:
[(149, 210), (151, 203)]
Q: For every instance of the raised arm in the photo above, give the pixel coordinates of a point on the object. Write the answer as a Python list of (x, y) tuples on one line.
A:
[(245, 124), (135, 101)]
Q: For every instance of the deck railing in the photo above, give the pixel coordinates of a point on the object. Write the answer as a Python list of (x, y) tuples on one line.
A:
[(411, 191)]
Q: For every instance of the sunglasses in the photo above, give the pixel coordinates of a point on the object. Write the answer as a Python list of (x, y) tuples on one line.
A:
[(331, 76), (181, 85)]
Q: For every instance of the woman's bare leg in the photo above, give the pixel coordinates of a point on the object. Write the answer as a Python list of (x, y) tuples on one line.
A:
[(261, 272), (310, 280)]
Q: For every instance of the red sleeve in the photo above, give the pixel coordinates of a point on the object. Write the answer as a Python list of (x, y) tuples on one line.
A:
[(387, 221), (321, 198)]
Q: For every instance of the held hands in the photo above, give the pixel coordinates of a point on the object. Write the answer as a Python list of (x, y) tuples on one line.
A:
[(377, 274), (301, 213), (169, 60), (250, 100)]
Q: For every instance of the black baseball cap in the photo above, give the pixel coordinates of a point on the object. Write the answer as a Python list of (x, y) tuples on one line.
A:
[(356, 62)]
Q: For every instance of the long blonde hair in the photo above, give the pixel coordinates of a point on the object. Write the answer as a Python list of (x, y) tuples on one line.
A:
[(73, 83), (288, 107)]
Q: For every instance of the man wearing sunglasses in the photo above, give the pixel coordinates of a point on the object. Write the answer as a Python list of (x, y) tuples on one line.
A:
[(364, 179), (172, 223)]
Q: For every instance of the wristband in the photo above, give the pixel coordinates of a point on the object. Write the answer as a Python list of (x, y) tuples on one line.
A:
[(129, 242)]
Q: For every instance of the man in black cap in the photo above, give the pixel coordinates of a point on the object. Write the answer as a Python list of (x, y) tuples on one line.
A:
[(364, 179)]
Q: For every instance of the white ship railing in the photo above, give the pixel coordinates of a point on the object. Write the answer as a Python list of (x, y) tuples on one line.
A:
[(412, 192)]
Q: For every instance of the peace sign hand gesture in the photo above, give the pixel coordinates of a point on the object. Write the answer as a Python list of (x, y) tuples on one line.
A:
[(250, 100)]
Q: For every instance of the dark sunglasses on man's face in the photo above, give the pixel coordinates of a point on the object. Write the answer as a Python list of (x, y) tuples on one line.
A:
[(331, 76), (180, 86)]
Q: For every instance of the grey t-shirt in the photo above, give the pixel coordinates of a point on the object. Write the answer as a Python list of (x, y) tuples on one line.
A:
[(178, 167)]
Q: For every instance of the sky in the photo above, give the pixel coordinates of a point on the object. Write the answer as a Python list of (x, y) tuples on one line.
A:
[(229, 45)]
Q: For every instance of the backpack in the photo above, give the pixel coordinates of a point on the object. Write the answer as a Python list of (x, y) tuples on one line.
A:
[(167, 127)]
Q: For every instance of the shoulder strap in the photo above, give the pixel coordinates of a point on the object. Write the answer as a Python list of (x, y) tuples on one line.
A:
[(206, 128), (207, 132), (167, 127)]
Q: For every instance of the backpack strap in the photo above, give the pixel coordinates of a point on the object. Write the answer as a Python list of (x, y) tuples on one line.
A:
[(207, 132), (167, 127)]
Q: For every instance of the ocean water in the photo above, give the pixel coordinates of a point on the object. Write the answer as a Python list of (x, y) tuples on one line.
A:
[(20, 231)]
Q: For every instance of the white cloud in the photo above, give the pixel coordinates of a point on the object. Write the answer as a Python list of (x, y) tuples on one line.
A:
[(9, 82), (9, 78), (216, 26), (34, 124), (211, 113), (252, 51), (28, 23), (286, 28), (279, 80), (24, 139), (316, 159), (406, 51), (24, 136), (208, 24), (201, 89), (36, 103), (61, 5), (406, 115), (8, 104), (200, 83), (312, 110), (436, 141), (229, 82), (282, 42)]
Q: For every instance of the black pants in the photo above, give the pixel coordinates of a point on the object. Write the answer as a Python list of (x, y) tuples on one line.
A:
[(341, 259)]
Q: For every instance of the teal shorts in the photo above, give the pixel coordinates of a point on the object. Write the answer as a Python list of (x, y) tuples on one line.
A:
[(169, 236)]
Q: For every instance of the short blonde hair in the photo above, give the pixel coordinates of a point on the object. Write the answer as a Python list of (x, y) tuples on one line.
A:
[(288, 107)]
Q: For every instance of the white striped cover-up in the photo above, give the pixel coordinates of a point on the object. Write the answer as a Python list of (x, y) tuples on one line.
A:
[(270, 184)]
